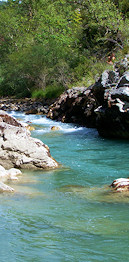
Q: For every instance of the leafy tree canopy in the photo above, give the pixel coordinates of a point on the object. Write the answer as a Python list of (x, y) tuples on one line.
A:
[(56, 42)]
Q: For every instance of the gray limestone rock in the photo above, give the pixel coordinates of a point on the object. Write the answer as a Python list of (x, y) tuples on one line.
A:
[(18, 149)]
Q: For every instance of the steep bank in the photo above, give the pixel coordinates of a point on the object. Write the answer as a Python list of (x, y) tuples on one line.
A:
[(104, 105)]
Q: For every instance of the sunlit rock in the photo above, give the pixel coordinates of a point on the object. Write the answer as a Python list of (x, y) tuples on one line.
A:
[(120, 184), (5, 176), (55, 128), (13, 173), (5, 188), (19, 149)]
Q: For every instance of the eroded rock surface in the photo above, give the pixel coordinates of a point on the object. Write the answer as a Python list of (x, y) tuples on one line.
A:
[(76, 105), (18, 149)]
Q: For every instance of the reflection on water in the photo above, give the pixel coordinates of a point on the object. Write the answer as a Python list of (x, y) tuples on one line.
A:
[(71, 213)]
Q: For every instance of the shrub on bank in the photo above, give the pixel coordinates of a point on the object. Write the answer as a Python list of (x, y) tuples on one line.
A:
[(49, 92)]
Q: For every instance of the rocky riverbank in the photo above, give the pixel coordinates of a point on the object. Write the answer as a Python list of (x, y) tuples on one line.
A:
[(27, 105), (104, 105)]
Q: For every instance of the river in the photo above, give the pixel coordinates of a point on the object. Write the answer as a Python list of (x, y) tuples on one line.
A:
[(69, 214)]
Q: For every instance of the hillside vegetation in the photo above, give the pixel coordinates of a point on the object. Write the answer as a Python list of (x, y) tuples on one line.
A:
[(46, 46)]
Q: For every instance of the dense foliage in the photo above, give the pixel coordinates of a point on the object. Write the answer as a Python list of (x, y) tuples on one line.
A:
[(53, 44)]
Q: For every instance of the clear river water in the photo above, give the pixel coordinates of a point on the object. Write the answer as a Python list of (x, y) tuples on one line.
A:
[(69, 214)]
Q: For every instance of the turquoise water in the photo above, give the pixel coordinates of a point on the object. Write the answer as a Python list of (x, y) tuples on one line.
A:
[(69, 214)]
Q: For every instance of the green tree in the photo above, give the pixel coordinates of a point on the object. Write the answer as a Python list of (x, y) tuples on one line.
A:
[(47, 43), (40, 35)]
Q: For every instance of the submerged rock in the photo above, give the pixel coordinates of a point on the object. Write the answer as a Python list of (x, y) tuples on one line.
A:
[(5, 176), (19, 149), (5, 188)]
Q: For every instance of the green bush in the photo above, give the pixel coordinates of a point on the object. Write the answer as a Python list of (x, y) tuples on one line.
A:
[(49, 92)]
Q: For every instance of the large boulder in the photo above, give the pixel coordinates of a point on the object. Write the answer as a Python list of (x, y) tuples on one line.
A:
[(75, 105), (104, 105), (19, 149), (108, 79), (113, 114)]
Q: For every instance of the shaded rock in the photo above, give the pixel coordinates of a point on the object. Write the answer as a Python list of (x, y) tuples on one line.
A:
[(76, 105), (19, 149), (122, 66), (28, 105), (113, 115), (108, 79), (104, 105), (83, 105), (124, 80), (33, 111)]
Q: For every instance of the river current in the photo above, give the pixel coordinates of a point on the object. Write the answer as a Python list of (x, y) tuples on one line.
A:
[(69, 214)]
